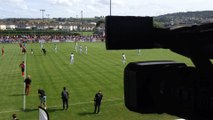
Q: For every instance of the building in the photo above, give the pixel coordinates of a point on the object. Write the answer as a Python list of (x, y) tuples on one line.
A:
[(68, 26), (2, 26)]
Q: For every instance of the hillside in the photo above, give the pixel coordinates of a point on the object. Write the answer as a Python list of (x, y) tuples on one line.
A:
[(184, 18)]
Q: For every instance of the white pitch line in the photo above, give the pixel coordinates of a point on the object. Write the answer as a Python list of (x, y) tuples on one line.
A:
[(9, 111), (83, 103), (80, 103), (108, 100), (24, 96)]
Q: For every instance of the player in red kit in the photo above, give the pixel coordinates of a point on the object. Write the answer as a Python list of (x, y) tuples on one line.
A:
[(22, 66), (2, 51)]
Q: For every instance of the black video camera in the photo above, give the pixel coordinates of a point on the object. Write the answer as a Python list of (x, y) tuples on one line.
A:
[(165, 86)]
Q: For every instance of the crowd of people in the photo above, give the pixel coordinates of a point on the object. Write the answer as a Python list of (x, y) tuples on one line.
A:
[(49, 38)]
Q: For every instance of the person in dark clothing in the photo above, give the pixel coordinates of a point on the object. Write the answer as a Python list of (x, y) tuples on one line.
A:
[(22, 66), (27, 85), (65, 97), (23, 50), (44, 51), (14, 116), (97, 100), (42, 97), (20, 45)]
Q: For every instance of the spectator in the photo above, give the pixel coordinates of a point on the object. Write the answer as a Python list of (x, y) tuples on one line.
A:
[(42, 97), (44, 51), (65, 97), (97, 100), (14, 117), (27, 85)]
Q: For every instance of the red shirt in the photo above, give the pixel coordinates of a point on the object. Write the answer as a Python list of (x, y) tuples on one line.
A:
[(22, 65)]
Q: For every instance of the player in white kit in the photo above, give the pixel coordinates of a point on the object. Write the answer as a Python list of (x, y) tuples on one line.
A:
[(123, 58), (71, 58)]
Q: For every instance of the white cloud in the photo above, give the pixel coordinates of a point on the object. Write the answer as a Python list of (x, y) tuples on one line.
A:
[(64, 2), (11, 1), (118, 3), (113, 2), (19, 4), (91, 8)]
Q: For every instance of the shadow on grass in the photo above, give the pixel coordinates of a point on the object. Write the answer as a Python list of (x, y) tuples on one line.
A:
[(30, 110), (39, 55), (86, 113), (48, 109), (54, 109), (17, 94)]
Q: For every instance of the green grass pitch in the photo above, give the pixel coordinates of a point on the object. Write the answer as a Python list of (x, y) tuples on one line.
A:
[(100, 69)]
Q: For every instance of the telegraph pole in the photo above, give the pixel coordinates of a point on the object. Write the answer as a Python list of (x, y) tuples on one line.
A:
[(82, 22), (110, 8), (48, 15), (42, 10)]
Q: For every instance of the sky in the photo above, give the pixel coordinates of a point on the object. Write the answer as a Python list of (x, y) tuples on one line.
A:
[(92, 8)]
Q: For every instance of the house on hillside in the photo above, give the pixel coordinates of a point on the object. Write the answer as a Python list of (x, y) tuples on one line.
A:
[(53, 26), (33, 25), (100, 30), (41, 26), (23, 26), (60, 26), (69, 26), (2, 26), (87, 27), (29, 26), (66, 26), (74, 26), (10, 26)]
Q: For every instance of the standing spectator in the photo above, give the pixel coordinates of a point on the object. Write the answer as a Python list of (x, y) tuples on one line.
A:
[(97, 100), (85, 49), (76, 47), (44, 51), (25, 44), (2, 51), (22, 66), (42, 97), (71, 58), (55, 47), (123, 58), (41, 45), (139, 51), (14, 117), (23, 50), (65, 97), (20, 45), (80, 49), (31, 51), (27, 85)]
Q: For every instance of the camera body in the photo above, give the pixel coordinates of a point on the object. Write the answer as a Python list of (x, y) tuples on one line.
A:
[(165, 86)]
